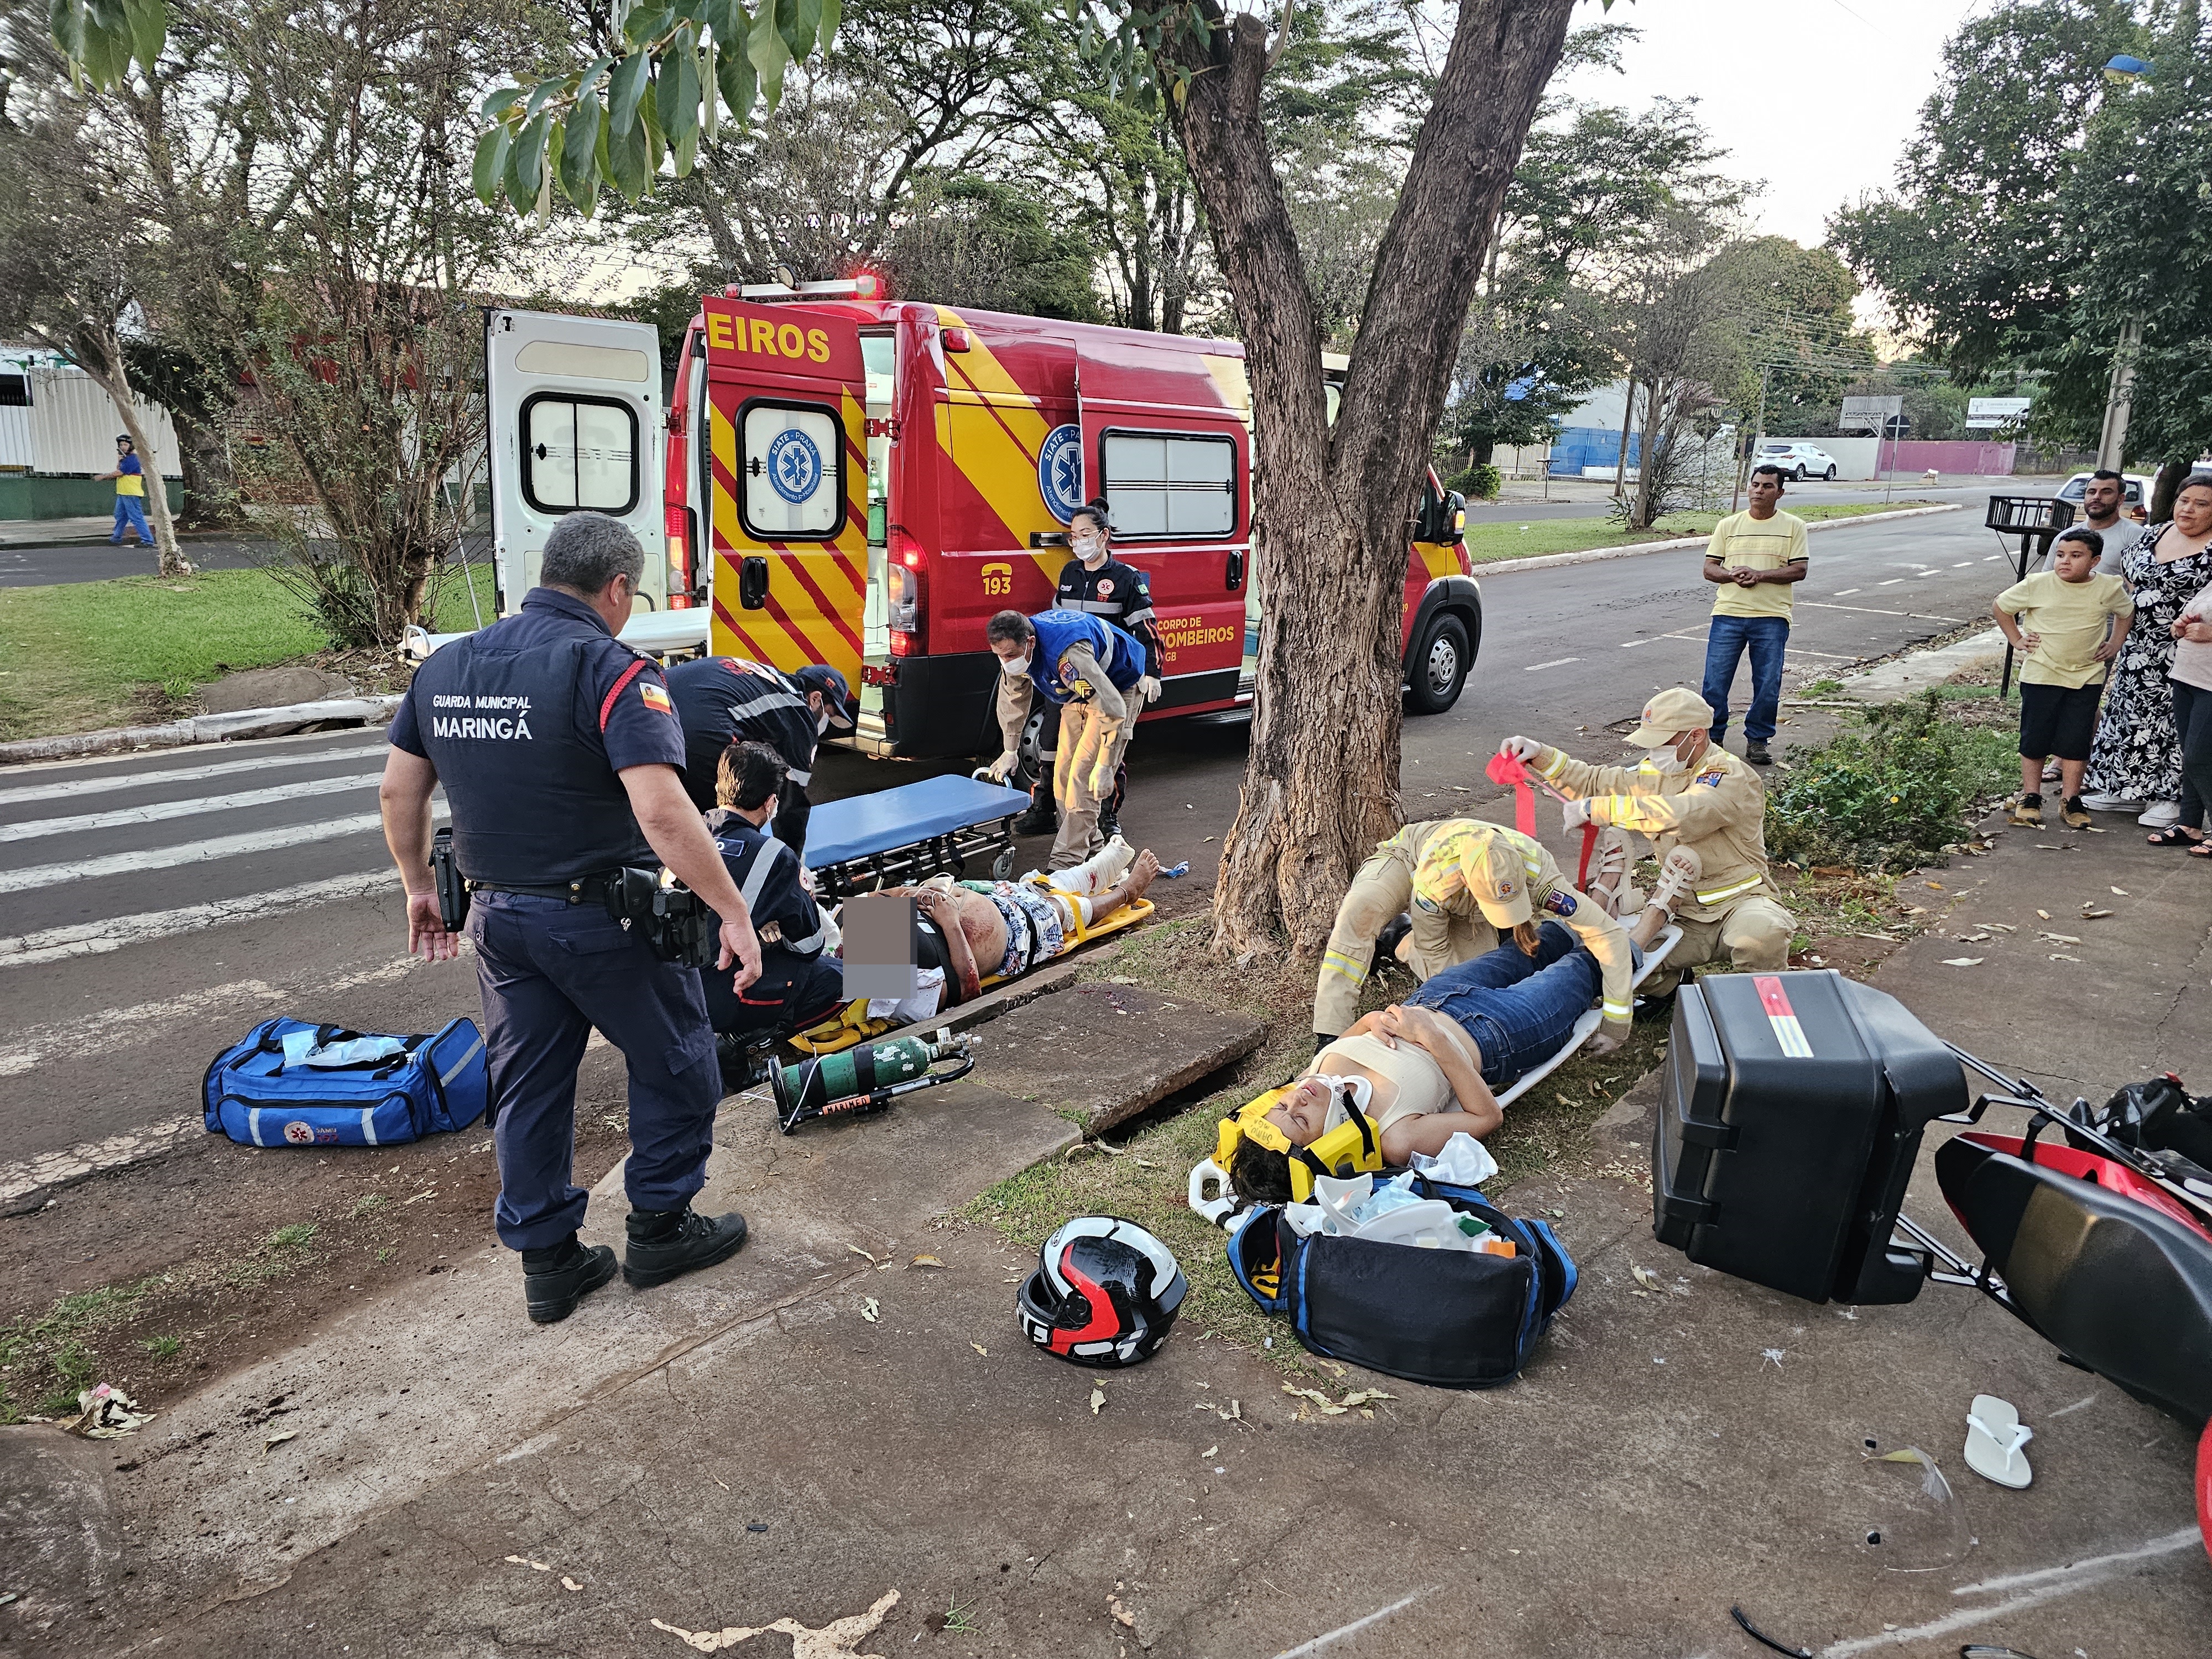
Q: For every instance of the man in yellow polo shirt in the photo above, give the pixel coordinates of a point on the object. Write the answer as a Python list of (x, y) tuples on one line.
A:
[(1755, 557)]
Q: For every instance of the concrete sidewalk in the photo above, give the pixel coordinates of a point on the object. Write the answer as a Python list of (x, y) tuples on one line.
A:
[(795, 1435)]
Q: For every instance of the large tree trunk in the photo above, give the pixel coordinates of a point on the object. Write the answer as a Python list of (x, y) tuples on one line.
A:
[(1321, 785), (210, 482), (113, 376), (1479, 452)]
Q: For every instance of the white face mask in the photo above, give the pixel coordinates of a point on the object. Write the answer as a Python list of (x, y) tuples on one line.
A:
[(1665, 761), (1091, 548), (1014, 667), (822, 723)]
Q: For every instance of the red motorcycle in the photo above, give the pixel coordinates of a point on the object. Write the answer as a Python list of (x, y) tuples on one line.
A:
[(2099, 1243)]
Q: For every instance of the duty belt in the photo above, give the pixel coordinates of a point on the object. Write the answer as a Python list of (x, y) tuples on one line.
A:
[(592, 889)]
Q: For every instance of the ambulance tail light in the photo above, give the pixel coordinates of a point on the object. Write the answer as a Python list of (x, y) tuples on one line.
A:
[(902, 594), (676, 521)]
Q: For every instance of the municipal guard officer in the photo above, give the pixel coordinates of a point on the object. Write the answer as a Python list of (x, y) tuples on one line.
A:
[(800, 981), (1089, 669), (563, 761), (1687, 792), (721, 700), (1099, 585)]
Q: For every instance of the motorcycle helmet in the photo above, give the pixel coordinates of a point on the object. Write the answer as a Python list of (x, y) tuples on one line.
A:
[(1104, 1293)]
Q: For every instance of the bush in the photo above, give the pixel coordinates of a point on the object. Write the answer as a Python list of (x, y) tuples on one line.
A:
[(1888, 790), (1480, 482)]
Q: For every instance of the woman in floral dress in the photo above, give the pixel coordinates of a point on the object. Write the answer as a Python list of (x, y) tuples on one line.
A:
[(2137, 757)]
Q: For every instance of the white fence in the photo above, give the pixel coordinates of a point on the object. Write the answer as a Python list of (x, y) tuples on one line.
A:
[(70, 428)]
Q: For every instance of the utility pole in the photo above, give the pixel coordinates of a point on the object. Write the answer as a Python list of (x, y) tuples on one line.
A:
[(2112, 442)]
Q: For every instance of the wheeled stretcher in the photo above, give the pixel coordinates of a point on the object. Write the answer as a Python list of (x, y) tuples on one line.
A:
[(1211, 1195), (904, 835)]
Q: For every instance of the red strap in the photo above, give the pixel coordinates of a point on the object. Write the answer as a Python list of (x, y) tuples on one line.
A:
[(1582, 870), (629, 674), (1511, 771)]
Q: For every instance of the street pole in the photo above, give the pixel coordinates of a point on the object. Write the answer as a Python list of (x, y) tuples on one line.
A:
[(1757, 437), (2112, 441)]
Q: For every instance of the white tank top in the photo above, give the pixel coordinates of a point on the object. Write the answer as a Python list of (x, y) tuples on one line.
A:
[(1420, 1085)]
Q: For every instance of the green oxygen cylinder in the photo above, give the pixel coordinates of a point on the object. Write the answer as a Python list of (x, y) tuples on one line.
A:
[(861, 1079)]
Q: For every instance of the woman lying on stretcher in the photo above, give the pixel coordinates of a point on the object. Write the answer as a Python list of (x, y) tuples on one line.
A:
[(975, 930), (1425, 1069)]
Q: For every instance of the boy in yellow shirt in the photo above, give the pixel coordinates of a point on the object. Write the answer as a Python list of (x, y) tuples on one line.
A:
[(2063, 619)]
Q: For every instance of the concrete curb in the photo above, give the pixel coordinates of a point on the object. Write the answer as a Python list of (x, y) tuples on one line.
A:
[(1592, 555), (1917, 669), (205, 728)]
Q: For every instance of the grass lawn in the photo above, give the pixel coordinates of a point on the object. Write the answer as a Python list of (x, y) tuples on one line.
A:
[(125, 651), (1487, 543)]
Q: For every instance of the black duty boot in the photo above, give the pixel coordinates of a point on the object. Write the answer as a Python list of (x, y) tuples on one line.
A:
[(1387, 941), (1755, 752), (665, 1244), (1109, 825), (1039, 818), (556, 1278)]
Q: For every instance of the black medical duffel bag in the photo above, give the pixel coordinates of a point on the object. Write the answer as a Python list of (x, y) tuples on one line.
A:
[(1789, 1115), (1456, 1319)]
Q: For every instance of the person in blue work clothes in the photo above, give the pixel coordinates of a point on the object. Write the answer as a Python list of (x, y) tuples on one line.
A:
[(562, 763), (129, 475), (1099, 585), (800, 982), (721, 700), (1089, 669)]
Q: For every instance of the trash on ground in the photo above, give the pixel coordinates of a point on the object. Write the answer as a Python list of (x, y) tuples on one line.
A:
[(279, 1438), (980, 1349), (1176, 871), (569, 1584), (924, 1261), (1464, 1162), (868, 1309), (1962, 961), (862, 1253), (1995, 1442), (1097, 1401), (105, 1413), (840, 1638), (1211, 1451), (1763, 1639)]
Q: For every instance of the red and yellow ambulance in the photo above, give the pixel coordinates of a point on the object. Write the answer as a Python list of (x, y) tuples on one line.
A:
[(861, 481)]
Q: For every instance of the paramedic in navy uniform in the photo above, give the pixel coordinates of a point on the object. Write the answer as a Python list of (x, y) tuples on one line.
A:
[(1096, 583), (563, 761)]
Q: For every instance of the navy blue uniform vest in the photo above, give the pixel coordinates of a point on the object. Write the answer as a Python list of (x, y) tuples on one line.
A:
[(515, 736), (1120, 656)]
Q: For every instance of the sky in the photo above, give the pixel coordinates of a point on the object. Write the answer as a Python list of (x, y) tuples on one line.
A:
[(1815, 98)]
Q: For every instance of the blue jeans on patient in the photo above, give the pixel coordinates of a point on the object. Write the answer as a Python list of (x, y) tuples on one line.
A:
[(1768, 637), (1518, 1008)]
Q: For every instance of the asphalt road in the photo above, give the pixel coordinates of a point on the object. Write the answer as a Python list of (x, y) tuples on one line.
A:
[(153, 908), (49, 567)]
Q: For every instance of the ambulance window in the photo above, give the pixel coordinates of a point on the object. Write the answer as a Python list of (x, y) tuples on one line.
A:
[(1170, 483), (792, 456), (878, 353), (578, 452)]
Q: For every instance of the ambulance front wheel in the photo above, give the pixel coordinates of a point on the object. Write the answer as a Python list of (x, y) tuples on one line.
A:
[(1435, 668)]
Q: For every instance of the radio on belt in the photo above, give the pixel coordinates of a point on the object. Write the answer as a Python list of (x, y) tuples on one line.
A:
[(1789, 1115)]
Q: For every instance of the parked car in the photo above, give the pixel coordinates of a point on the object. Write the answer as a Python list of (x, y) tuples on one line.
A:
[(2135, 505), (1800, 461)]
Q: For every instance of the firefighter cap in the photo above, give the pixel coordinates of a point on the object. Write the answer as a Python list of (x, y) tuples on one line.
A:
[(1670, 713), (1497, 881)]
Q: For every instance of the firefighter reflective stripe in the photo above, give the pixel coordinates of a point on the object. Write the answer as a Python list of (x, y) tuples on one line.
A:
[(1107, 608), (1617, 1011), (756, 877), (1652, 814), (1719, 894), (1337, 962), (1553, 767)]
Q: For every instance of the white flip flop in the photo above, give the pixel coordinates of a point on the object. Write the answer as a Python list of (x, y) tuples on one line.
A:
[(1994, 1439)]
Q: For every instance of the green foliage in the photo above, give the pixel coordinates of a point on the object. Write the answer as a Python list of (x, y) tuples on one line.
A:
[(45, 1363), (1479, 483), (297, 1237), (162, 1347), (1889, 790)]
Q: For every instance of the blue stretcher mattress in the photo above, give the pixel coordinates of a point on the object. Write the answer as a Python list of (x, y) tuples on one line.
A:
[(840, 829)]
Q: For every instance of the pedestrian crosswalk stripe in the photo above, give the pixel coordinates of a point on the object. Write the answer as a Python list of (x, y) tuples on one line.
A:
[(119, 817), (107, 782), (191, 852), (90, 938)]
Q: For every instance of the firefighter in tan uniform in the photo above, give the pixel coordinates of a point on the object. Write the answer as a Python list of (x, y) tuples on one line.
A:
[(1456, 876), (1688, 791)]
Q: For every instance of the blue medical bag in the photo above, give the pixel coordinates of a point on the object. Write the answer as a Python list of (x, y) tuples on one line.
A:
[(1454, 1319), (433, 1083)]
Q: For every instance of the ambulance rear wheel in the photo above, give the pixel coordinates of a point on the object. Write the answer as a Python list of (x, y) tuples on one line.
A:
[(1436, 669)]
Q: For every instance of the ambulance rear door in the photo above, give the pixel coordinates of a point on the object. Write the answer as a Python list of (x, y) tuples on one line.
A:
[(787, 439), (575, 424), (1167, 442)]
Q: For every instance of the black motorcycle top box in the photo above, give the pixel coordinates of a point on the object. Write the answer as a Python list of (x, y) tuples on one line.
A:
[(1790, 1113)]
